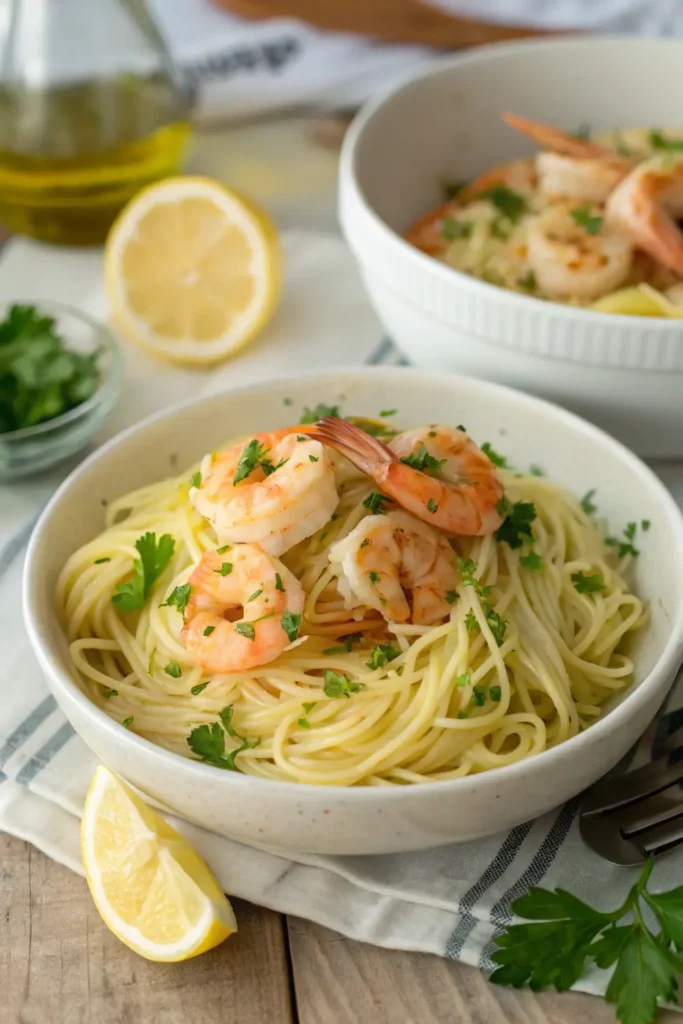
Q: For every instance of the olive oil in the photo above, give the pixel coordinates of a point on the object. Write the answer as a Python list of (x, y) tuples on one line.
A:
[(71, 156)]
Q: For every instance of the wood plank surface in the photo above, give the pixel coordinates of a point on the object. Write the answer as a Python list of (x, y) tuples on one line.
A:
[(60, 964), (339, 981)]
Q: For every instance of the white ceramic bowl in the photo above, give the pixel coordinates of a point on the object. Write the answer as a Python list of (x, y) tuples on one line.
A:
[(368, 820), (624, 373)]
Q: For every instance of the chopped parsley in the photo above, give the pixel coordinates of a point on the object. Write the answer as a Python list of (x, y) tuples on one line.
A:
[(252, 454), (154, 557), (257, 593), (479, 696), (199, 687), (127, 722), (423, 461), (659, 141), (208, 742), (386, 413), (313, 458), (346, 645), (304, 723), (587, 584), (511, 204), (498, 460), (495, 693), (532, 561), (496, 624), (174, 670), (221, 551), (587, 502), (645, 525), (452, 229), (451, 596), (286, 401), (374, 503), (209, 630), (626, 547), (308, 706), (111, 693), (179, 597), (290, 623), (196, 479), (335, 685), (464, 680), (591, 223), (246, 629), (373, 576), (40, 378), (225, 569), (101, 561), (516, 527), (318, 413), (432, 506), (278, 583), (528, 282), (382, 653), (536, 471), (452, 189)]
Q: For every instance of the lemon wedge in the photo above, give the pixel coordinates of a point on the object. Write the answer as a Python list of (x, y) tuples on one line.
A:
[(151, 888), (193, 271)]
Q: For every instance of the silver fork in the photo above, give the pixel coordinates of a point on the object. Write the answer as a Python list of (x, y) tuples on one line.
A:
[(629, 817)]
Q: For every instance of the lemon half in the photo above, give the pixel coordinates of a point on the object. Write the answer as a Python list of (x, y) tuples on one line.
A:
[(193, 271), (151, 888)]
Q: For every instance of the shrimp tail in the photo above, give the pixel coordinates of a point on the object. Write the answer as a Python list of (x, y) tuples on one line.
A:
[(363, 450), (548, 137)]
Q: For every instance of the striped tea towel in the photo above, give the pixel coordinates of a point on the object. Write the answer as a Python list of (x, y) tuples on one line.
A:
[(451, 901)]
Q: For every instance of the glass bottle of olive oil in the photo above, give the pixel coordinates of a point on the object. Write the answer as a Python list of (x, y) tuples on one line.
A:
[(90, 112)]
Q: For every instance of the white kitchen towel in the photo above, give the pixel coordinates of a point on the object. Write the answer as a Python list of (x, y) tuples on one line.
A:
[(450, 901), (241, 68)]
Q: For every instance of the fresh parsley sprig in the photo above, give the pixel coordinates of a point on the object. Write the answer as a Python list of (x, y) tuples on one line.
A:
[(516, 527), (208, 742), (154, 557), (423, 461), (565, 933)]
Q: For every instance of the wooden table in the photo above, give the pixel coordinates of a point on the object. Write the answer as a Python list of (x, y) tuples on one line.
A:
[(59, 964)]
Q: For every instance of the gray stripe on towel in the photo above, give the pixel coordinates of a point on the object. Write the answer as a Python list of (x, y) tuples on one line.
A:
[(498, 866), (45, 755), (10, 550), (546, 854), (27, 728)]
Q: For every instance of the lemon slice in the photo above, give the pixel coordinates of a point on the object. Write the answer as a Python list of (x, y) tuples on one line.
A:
[(193, 271), (151, 888)]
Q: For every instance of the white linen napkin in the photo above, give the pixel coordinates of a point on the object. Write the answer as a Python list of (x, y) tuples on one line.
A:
[(450, 901)]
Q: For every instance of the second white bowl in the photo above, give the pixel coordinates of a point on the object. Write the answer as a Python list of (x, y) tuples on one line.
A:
[(623, 373)]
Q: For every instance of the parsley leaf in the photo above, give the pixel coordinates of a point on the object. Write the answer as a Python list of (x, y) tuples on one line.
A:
[(536, 471), (251, 456), (471, 621), (587, 502), (516, 528), (511, 204), (154, 557), (423, 461), (452, 229), (432, 506), (225, 569), (374, 503), (111, 693), (659, 141), (208, 742), (587, 584), (40, 378), (346, 645), (532, 561), (179, 597), (101, 561), (386, 413), (318, 413), (495, 693), (382, 653), (278, 583), (196, 479), (496, 623), (174, 670), (290, 623), (127, 722), (246, 629), (591, 223), (199, 687), (529, 281), (498, 460), (339, 686), (565, 932), (451, 596)]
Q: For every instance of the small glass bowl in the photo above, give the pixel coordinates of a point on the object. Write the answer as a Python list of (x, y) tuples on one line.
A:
[(36, 448)]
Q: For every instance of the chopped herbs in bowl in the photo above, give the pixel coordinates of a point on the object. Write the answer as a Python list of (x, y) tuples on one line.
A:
[(60, 373)]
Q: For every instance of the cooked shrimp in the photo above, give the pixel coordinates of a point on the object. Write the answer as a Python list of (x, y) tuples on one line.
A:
[(398, 565), (448, 482), (243, 578), (569, 166), (427, 234), (569, 262), (646, 205), (287, 491)]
